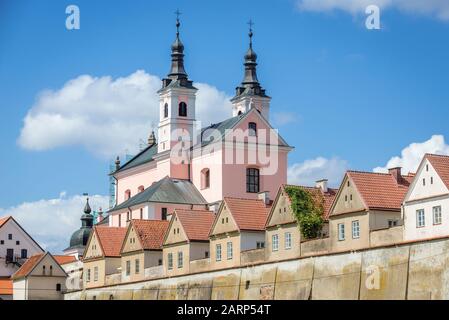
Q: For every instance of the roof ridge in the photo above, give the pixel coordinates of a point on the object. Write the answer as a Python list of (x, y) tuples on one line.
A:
[(436, 155), (247, 199)]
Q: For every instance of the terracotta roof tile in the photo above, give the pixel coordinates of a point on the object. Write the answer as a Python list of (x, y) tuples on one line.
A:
[(249, 214), (60, 259), (196, 223), (3, 220), (26, 268), (151, 233), (5, 286), (380, 190), (111, 240), (441, 165)]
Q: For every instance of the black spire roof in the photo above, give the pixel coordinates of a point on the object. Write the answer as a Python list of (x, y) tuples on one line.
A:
[(250, 84), (177, 75), (79, 237)]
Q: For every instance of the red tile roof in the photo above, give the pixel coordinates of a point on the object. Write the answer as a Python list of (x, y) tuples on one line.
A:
[(64, 259), (441, 165), (326, 198), (151, 233), (3, 220), (28, 266), (249, 214), (5, 286), (380, 190), (111, 240), (196, 223)]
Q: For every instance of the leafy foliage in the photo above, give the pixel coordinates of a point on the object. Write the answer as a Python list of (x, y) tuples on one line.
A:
[(308, 210)]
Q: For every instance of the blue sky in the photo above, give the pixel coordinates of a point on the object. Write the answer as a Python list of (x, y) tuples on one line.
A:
[(353, 95)]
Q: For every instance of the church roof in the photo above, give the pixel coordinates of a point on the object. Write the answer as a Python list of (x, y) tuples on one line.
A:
[(144, 156), (166, 190)]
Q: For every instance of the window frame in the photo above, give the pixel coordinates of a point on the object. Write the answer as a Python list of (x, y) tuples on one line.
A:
[(170, 261), (252, 129), (252, 180), (165, 110), (180, 260), (418, 218), (355, 228), (229, 250), (341, 231), (95, 273), (218, 253), (288, 240), (137, 266), (275, 242), (182, 109), (128, 268), (440, 217)]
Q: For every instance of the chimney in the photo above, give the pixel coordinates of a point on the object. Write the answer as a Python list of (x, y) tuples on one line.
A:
[(265, 196), (322, 184), (396, 172)]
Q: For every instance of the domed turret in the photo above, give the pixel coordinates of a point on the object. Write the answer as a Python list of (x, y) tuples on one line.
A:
[(79, 238)]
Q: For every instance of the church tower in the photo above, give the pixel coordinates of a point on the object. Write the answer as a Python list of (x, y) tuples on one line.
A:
[(250, 94), (177, 101)]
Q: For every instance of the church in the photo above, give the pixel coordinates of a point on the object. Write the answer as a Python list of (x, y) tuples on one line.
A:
[(194, 167)]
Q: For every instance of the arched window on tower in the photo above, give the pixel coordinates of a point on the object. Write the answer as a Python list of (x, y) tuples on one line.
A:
[(205, 178), (182, 109), (252, 129), (166, 110)]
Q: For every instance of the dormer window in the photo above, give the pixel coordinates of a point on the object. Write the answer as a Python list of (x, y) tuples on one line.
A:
[(252, 129), (166, 110), (182, 109)]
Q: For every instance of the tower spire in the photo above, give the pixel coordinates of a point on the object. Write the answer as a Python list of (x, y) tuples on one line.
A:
[(250, 84), (177, 71)]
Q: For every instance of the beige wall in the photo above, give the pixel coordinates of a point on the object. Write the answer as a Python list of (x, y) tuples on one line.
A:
[(42, 288), (224, 222), (379, 219), (175, 233), (344, 204), (282, 253), (106, 266), (223, 239), (281, 212), (315, 246), (174, 250), (349, 243), (386, 236)]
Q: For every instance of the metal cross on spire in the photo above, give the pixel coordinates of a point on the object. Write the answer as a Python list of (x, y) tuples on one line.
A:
[(178, 13), (251, 24)]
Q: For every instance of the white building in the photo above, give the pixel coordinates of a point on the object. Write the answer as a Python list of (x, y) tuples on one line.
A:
[(426, 204), (16, 245), (40, 278)]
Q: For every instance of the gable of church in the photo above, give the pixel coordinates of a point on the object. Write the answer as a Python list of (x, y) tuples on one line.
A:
[(93, 249)]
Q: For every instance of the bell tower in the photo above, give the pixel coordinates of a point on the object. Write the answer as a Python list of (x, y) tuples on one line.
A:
[(250, 94), (176, 101)]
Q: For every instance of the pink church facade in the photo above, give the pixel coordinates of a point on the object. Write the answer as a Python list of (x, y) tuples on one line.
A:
[(195, 168)]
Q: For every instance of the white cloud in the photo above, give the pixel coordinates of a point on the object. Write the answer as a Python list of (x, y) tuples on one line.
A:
[(51, 222), (309, 171), (284, 118), (412, 155), (433, 8), (107, 116)]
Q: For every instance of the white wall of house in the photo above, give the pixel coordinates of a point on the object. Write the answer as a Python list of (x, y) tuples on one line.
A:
[(426, 192), (20, 240)]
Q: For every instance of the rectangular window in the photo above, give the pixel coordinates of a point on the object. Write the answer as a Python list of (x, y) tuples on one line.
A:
[(128, 267), (10, 236), (170, 261), (260, 244), (18, 243), (436, 215), (180, 260), (275, 242), (137, 266), (252, 180), (355, 229), (164, 213), (218, 252), (95, 273), (24, 253), (252, 129), (392, 223), (420, 218), (288, 240), (88, 275), (341, 232), (229, 250), (2, 241)]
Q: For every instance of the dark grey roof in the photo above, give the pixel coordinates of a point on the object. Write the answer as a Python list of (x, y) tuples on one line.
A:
[(206, 133), (146, 155), (166, 190)]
